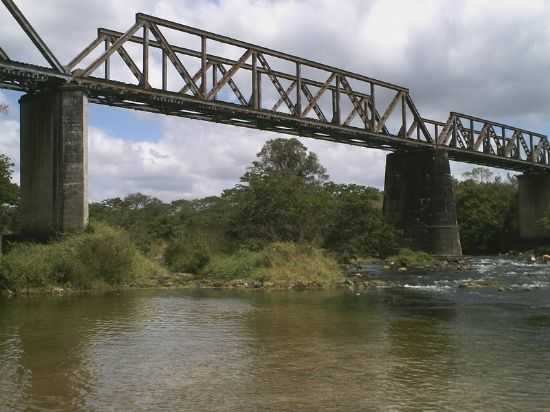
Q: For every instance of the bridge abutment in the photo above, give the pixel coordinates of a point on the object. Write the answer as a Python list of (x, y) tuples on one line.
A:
[(419, 199), (534, 205), (54, 162)]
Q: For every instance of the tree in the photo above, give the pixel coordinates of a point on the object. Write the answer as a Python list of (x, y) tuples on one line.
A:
[(281, 198), (145, 217), (287, 157), (278, 208), (488, 216), (9, 194), (355, 224), (479, 175)]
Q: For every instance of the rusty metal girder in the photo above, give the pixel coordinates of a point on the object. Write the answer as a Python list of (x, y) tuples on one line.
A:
[(399, 127)]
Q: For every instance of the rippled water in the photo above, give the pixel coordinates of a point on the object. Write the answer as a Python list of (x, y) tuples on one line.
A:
[(426, 343)]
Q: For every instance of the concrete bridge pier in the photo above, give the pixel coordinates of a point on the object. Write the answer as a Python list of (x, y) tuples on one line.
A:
[(419, 199), (534, 205), (54, 162)]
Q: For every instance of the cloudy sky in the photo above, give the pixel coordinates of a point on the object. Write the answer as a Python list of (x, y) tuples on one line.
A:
[(480, 57)]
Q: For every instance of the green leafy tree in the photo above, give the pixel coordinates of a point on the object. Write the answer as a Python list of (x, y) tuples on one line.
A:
[(488, 216), (145, 217), (287, 157), (281, 196), (277, 208), (479, 175), (355, 225), (9, 195)]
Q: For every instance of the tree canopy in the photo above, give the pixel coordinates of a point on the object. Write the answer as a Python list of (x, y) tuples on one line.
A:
[(286, 157)]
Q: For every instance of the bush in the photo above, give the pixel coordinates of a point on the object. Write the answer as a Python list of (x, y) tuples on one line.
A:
[(241, 264), (282, 264), (100, 256), (187, 255), (410, 258), (288, 263)]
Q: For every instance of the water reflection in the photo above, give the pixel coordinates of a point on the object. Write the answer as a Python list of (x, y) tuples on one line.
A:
[(391, 349), (48, 337), (348, 352)]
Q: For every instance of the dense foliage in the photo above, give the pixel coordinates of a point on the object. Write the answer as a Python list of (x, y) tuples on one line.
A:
[(285, 216), (9, 195), (284, 196), (487, 213), (100, 256)]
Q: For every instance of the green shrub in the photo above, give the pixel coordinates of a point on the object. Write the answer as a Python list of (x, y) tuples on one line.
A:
[(411, 258), (241, 264), (282, 264), (288, 263), (187, 255), (100, 256), (103, 253)]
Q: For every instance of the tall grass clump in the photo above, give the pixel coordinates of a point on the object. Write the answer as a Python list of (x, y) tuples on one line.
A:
[(411, 258), (280, 264), (100, 257)]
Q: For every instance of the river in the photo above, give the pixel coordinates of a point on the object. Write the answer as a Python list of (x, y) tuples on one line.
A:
[(423, 344)]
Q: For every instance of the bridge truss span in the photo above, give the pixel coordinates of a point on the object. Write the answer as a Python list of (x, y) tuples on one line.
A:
[(165, 67)]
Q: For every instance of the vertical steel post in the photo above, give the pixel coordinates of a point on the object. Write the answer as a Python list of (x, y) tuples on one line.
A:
[(373, 108), (472, 132), (203, 66), (403, 114), (107, 61), (336, 118), (164, 71), (298, 107), (145, 78), (254, 98), (259, 92), (366, 111), (214, 79)]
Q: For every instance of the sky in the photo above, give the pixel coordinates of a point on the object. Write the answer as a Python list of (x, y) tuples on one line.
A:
[(480, 57)]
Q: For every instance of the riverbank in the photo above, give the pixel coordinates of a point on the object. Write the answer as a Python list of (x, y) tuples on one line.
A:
[(105, 259)]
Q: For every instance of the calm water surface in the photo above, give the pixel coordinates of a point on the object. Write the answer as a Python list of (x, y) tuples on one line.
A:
[(424, 344)]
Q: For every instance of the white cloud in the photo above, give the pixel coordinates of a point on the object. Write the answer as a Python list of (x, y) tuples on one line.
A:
[(191, 160)]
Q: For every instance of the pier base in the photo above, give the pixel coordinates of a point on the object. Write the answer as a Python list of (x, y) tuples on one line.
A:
[(54, 161), (534, 205), (419, 199)]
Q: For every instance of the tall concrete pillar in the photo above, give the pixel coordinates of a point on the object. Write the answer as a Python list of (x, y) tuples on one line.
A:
[(54, 162), (534, 205), (419, 199)]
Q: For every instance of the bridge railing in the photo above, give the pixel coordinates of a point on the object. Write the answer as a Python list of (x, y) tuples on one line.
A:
[(211, 67)]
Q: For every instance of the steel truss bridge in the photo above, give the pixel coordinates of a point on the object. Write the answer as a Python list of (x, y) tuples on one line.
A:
[(165, 67)]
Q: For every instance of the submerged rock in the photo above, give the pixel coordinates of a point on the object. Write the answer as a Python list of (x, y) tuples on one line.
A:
[(479, 284)]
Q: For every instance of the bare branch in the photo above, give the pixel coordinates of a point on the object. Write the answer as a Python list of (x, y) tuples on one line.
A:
[(4, 108)]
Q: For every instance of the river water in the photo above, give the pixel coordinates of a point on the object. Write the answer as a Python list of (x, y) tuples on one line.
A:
[(425, 343)]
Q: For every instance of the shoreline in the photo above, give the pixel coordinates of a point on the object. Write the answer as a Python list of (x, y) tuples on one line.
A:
[(355, 276)]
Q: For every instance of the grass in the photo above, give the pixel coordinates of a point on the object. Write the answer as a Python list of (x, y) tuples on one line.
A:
[(101, 257), (411, 258), (104, 257), (278, 265)]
